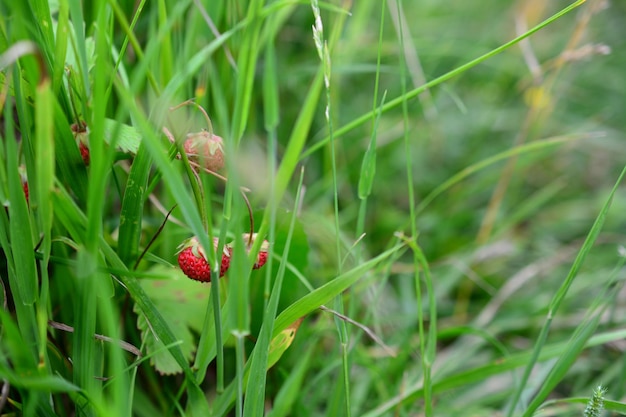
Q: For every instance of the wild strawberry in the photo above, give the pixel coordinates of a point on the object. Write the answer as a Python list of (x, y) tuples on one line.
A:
[(25, 188), (84, 153), (205, 149), (260, 260), (81, 136), (193, 261), (225, 264), (262, 256), (24, 178)]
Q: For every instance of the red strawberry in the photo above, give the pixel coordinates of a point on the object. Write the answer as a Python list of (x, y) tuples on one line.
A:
[(262, 256), (193, 262), (194, 266), (227, 253), (81, 135), (84, 153), (25, 188), (260, 260), (205, 149), (24, 178)]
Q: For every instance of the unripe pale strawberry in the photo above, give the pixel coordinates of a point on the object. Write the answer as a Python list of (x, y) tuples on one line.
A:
[(193, 261), (205, 149)]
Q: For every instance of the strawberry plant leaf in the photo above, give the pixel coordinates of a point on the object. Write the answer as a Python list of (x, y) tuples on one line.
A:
[(182, 303), (125, 138)]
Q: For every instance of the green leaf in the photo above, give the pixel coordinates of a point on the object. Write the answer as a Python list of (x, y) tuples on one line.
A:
[(124, 137), (182, 303)]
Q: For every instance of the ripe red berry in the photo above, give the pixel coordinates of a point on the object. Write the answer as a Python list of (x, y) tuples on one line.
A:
[(260, 260), (81, 136), (84, 153), (205, 149), (193, 261), (194, 266), (225, 260), (262, 256), (26, 192)]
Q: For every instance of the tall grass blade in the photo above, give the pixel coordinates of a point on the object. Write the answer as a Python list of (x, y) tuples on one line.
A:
[(558, 298)]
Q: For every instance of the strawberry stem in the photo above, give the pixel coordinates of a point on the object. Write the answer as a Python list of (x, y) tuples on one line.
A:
[(190, 102), (245, 198), (194, 179)]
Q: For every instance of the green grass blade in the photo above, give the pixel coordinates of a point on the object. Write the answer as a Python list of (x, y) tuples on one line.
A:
[(325, 293), (77, 18), (132, 206), (518, 150), (557, 300), (194, 64), (20, 227), (428, 341), (292, 387), (564, 362), (255, 389), (44, 158), (165, 56), (271, 104), (60, 52), (476, 374), (246, 71)]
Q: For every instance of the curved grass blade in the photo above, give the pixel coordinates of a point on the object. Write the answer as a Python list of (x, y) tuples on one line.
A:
[(445, 77)]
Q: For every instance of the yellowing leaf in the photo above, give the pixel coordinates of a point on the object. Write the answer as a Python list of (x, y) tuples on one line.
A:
[(281, 342)]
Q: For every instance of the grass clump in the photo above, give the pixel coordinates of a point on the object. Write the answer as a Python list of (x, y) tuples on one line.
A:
[(436, 192)]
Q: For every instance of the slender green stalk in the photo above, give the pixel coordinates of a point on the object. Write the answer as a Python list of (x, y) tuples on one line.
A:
[(368, 168), (324, 55), (427, 343)]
